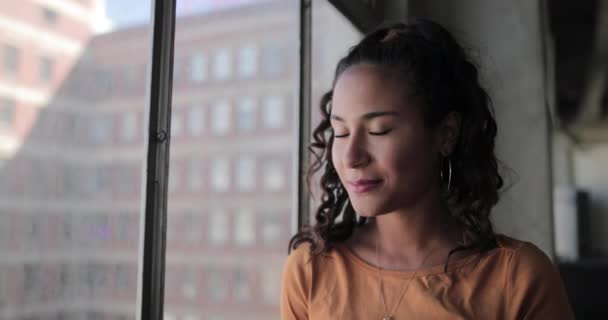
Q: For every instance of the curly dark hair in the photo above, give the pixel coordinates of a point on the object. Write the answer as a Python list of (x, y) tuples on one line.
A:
[(436, 69)]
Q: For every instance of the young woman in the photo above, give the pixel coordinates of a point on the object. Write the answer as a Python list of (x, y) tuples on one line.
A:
[(409, 177)]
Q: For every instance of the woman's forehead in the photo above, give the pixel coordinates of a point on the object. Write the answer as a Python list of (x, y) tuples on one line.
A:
[(368, 88)]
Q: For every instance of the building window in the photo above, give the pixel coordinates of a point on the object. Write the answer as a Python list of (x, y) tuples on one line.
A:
[(218, 227), (274, 177), (195, 179), (222, 64), (248, 61), (272, 286), (130, 74), (46, 69), (221, 117), (194, 232), (245, 173), (273, 61), (244, 232), (246, 114), (217, 288), (176, 123), (7, 112), (274, 112), (174, 176), (10, 59), (196, 120), (188, 288), (102, 128), (271, 229), (242, 286), (220, 175), (50, 15), (198, 68), (129, 126)]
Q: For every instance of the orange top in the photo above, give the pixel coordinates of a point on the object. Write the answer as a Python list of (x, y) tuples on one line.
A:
[(516, 280)]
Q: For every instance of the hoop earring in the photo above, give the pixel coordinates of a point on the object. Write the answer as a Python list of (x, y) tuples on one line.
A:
[(449, 173)]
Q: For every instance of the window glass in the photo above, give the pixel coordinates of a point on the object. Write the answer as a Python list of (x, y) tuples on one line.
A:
[(244, 227), (198, 67), (274, 112), (245, 173), (222, 64), (246, 113), (242, 40), (222, 113), (196, 120), (248, 61), (70, 186)]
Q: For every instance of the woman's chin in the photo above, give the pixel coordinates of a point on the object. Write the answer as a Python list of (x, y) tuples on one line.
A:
[(368, 211)]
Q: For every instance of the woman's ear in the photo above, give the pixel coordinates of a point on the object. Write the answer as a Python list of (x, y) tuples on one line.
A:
[(449, 131)]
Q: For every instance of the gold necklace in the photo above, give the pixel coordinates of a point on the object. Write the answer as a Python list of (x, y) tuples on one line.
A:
[(387, 315)]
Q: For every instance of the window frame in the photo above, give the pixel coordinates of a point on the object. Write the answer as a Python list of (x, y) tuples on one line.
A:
[(156, 172)]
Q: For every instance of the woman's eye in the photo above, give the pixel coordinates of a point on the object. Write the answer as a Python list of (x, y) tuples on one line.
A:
[(340, 135), (380, 133)]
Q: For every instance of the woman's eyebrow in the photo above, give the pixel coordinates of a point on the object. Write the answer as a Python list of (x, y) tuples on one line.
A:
[(369, 116)]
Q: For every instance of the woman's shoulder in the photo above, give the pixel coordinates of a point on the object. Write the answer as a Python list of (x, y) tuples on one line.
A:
[(533, 284), (524, 260), (520, 250)]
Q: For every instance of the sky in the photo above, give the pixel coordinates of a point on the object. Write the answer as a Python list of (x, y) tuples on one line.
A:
[(124, 13)]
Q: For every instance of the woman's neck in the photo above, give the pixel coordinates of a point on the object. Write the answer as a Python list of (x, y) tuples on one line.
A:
[(405, 237)]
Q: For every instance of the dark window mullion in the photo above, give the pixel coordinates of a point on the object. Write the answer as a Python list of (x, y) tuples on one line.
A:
[(160, 86), (301, 216)]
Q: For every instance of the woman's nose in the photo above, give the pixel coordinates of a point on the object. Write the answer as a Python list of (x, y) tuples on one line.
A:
[(356, 154)]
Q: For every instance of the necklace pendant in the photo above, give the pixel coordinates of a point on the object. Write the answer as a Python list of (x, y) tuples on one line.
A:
[(387, 318)]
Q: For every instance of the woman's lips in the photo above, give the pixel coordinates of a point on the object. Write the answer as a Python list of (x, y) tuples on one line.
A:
[(362, 186)]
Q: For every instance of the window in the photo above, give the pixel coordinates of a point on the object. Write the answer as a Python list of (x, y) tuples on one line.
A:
[(196, 120), (220, 175), (7, 112), (188, 288), (50, 15), (231, 138), (271, 228), (102, 127), (218, 227), (198, 68), (248, 61), (217, 290), (242, 285), (245, 173), (194, 232), (221, 117), (74, 97), (271, 287), (176, 123), (195, 179), (129, 126), (174, 176), (274, 112), (244, 227), (246, 114), (10, 59), (222, 64), (46, 69), (273, 60), (130, 74), (273, 174)]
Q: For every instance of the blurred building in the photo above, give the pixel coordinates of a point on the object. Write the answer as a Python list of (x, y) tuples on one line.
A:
[(73, 143)]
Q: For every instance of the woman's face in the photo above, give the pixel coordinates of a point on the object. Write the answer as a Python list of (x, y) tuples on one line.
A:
[(384, 155)]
